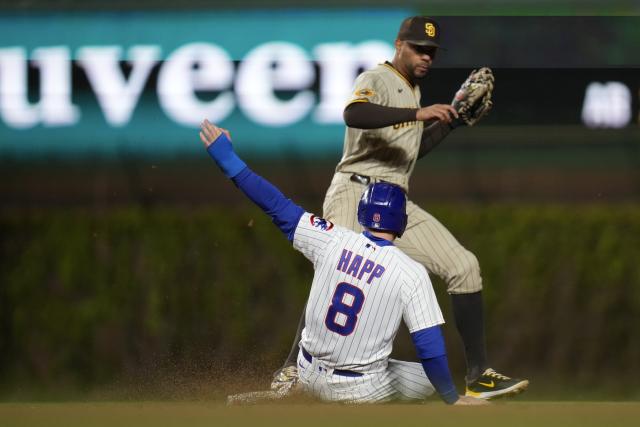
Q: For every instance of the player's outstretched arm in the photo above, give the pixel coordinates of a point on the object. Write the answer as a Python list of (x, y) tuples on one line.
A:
[(284, 212)]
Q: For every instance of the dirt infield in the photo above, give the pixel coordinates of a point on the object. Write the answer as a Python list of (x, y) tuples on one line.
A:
[(210, 414)]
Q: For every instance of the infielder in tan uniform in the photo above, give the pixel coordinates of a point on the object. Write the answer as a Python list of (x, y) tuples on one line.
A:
[(387, 132)]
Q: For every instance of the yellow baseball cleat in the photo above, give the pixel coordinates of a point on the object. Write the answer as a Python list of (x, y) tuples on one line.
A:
[(491, 385)]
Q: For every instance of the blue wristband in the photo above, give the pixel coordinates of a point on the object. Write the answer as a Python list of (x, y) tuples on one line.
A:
[(222, 152)]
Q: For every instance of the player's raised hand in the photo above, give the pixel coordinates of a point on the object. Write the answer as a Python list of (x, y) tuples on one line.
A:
[(210, 132), (444, 112), (471, 401)]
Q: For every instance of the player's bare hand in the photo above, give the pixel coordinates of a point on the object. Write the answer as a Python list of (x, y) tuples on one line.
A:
[(471, 401), (210, 132), (444, 112)]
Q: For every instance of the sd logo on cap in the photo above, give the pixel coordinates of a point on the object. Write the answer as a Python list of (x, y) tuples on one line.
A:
[(420, 30)]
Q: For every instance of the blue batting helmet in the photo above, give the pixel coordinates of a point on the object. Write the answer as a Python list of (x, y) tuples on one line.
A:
[(383, 206)]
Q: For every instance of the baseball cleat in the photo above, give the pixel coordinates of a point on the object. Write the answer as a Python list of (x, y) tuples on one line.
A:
[(491, 385), (285, 379)]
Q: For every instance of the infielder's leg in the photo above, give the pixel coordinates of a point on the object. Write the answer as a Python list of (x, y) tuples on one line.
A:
[(427, 241)]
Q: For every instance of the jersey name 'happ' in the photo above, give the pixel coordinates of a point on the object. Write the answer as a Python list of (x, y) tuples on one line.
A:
[(357, 269)]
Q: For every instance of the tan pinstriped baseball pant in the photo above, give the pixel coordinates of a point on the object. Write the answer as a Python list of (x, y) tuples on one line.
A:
[(425, 239)]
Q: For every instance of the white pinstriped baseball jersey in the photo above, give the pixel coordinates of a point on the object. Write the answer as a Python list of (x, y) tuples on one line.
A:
[(359, 294), (388, 153)]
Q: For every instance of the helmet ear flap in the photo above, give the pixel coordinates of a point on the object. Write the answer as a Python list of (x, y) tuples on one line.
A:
[(404, 225), (383, 207)]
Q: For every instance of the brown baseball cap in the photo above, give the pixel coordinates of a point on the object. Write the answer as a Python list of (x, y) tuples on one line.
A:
[(420, 30)]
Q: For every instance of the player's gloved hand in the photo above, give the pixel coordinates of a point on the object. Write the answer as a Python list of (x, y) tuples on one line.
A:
[(473, 100), (471, 401)]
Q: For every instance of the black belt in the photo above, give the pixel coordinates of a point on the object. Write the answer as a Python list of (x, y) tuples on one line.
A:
[(342, 372), (360, 179)]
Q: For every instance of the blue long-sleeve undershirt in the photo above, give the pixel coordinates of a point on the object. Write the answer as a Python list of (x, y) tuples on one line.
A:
[(433, 355), (284, 213)]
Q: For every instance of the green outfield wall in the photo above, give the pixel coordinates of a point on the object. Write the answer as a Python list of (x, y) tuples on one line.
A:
[(94, 298)]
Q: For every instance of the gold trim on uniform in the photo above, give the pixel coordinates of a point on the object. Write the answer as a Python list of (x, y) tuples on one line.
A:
[(399, 74), (365, 93), (355, 101)]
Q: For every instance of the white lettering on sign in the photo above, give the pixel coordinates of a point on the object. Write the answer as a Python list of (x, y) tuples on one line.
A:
[(607, 105), (116, 95), (339, 66), (54, 107), (191, 68), (273, 84), (275, 66)]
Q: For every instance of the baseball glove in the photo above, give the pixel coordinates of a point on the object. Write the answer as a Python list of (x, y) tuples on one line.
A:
[(473, 100)]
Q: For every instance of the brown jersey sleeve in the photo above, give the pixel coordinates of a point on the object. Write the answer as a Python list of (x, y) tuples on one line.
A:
[(367, 115)]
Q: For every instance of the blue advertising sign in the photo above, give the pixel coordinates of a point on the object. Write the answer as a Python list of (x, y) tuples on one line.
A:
[(103, 83)]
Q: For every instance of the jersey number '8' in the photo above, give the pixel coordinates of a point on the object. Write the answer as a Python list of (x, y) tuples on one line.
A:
[(349, 308)]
